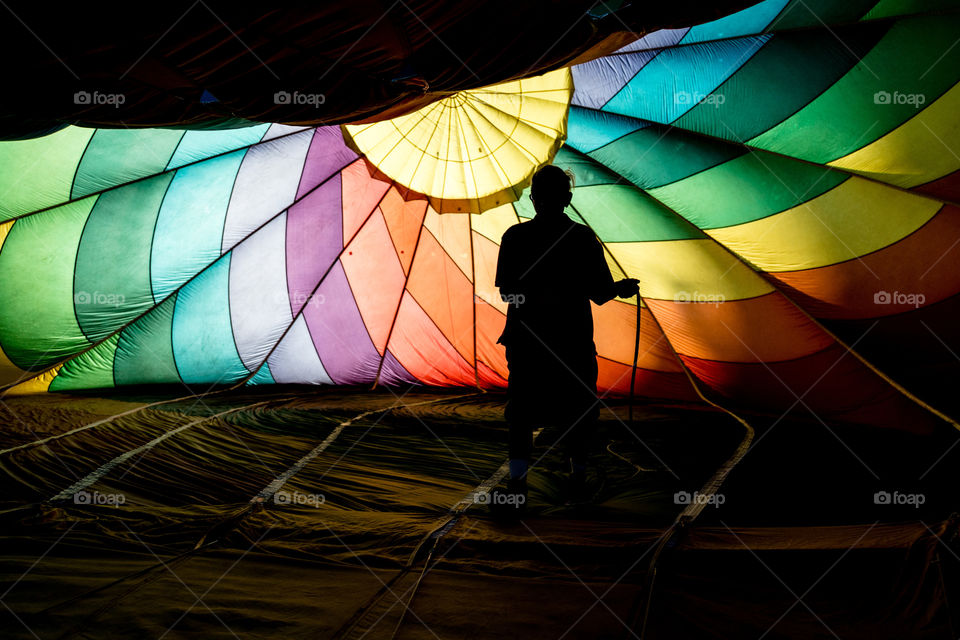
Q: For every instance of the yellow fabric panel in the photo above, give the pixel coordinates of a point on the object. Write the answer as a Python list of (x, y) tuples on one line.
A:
[(37, 384), (492, 223), (475, 149), (485, 267), (690, 270), (8, 371), (855, 218), (918, 151)]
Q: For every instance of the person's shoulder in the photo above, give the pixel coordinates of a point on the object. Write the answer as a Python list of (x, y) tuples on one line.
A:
[(582, 231), (515, 230)]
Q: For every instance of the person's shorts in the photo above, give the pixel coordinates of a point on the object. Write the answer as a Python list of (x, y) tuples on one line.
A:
[(551, 386)]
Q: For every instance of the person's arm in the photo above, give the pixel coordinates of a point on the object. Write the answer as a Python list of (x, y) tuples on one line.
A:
[(600, 281), (507, 280)]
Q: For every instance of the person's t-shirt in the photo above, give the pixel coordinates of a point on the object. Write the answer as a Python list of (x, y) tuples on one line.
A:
[(548, 270)]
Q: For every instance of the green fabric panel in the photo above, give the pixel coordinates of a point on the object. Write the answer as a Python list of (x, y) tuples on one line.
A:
[(816, 13), (748, 21), (523, 206), (846, 117), (589, 129), (204, 144), (586, 171), (622, 213), (791, 70), (112, 282), (203, 341), (263, 376), (145, 351), (37, 322), (654, 156), (38, 173), (887, 8), (118, 156), (90, 370), (747, 188)]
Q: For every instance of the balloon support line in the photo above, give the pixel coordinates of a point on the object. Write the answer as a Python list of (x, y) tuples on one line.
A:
[(715, 139), (103, 470), (693, 510), (218, 531), (775, 286), (313, 292), (769, 280), (6, 387), (351, 628), (167, 169), (100, 422), (636, 356), (406, 281)]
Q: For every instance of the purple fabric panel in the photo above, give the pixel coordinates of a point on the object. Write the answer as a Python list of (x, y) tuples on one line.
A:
[(657, 40), (314, 240), (597, 81), (327, 155), (341, 339), (394, 373)]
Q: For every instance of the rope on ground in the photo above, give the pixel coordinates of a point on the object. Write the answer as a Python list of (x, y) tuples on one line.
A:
[(102, 421), (432, 538), (107, 467), (222, 527)]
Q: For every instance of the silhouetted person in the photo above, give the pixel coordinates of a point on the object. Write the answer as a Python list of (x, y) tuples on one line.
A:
[(549, 269)]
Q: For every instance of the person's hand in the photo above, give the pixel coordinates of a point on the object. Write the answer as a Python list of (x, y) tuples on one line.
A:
[(627, 288)]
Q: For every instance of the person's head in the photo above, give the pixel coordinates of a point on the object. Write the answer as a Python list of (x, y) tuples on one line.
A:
[(550, 190)]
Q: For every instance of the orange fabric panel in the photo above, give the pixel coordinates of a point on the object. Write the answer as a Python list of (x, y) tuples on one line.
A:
[(926, 263), (424, 351), (614, 332), (360, 195), (490, 379), (376, 278), (489, 327), (613, 380), (444, 293), (404, 218), (831, 382), (767, 328), (453, 234), (485, 254)]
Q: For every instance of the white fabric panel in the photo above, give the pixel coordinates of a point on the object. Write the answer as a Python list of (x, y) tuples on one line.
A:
[(296, 359), (266, 184), (259, 303), (277, 130)]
